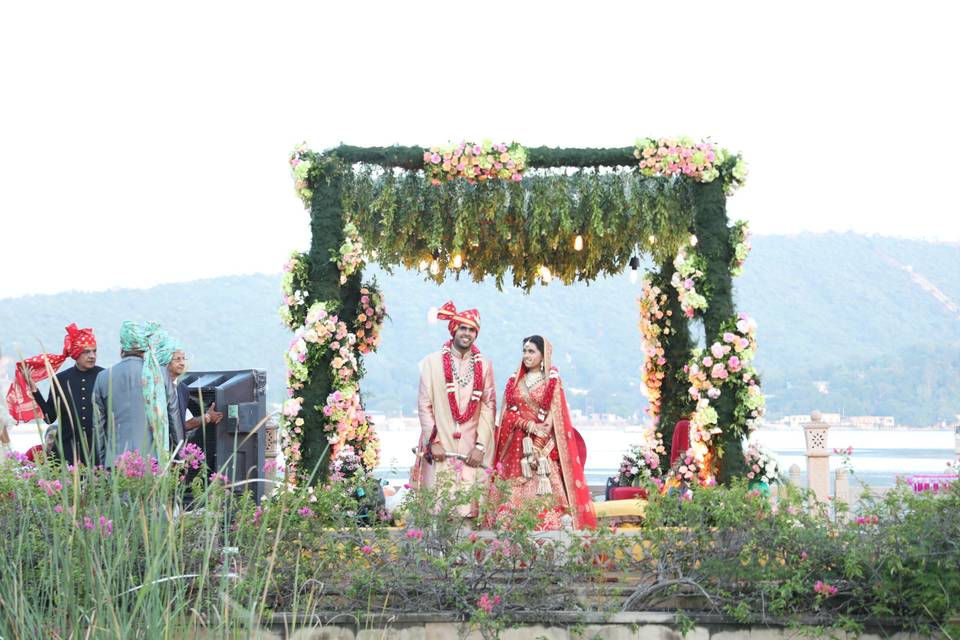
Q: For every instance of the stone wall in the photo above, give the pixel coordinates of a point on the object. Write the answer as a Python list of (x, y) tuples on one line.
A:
[(564, 626)]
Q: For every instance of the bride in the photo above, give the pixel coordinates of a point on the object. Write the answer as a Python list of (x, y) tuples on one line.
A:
[(538, 451)]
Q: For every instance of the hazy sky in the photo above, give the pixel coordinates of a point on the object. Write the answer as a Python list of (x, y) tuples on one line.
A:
[(143, 143)]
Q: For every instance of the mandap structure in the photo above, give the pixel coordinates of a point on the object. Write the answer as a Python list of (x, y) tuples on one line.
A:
[(530, 216)]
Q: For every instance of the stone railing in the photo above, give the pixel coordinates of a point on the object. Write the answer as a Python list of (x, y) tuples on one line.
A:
[(554, 625), (818, 455), (818, 452)]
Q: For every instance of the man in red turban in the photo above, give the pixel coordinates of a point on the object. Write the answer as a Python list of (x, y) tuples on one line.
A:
[(457, 405), (70, 401)]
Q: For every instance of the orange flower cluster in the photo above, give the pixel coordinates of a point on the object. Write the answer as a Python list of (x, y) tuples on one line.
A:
[(654, 322)]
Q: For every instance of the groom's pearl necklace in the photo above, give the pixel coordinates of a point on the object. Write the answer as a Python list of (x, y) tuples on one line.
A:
[(464, 377)]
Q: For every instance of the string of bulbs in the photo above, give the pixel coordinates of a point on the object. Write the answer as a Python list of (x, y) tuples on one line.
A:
[(433, 265)]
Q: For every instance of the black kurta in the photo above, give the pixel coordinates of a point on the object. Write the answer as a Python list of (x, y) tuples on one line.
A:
[(74, 405)]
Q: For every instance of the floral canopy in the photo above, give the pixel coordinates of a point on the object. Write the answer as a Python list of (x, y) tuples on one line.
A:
[(568, 214)]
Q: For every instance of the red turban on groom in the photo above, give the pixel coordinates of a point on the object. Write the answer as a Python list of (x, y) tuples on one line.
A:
[(470, 317)]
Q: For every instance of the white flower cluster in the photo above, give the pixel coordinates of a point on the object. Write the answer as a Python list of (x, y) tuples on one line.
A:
[(762, 464)]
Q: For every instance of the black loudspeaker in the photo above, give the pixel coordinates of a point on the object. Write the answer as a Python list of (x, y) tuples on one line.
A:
[(231, 447)]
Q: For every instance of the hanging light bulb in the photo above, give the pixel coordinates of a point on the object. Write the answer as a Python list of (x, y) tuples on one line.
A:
[(457, 261), (693, 240), (652, 239), (578, 243), (434, 268), (545, 274), (423, 265), (634, 264)]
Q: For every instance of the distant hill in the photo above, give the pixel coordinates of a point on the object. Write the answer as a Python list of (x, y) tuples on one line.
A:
[(869, 320)]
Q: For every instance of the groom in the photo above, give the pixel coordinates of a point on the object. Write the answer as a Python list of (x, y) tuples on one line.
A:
[(457, 405)]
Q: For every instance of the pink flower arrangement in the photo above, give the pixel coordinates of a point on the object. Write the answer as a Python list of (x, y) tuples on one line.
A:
[(21, 458), (682, 156), (291, 407), (414, 534), (306, 512), (486, 603), (690, 268), (677, 156), (475, 162), (130, 464), (300, 165), (350, 256), (192, 456), (867, 520), (52, 487), (740, 239), (824, 589), (654, 322), (370, 316), (762, 464)]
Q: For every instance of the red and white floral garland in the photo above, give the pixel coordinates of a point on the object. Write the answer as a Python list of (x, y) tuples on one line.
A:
[(451, 386)]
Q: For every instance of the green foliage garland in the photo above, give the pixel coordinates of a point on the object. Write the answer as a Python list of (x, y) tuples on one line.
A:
[(520, 227)]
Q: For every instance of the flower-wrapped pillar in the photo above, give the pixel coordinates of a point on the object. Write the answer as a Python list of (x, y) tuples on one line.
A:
[(326, 227), (336, 321), (713, 244), (672, 403)]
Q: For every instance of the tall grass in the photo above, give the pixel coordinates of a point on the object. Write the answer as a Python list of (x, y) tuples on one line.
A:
[(89, 553)]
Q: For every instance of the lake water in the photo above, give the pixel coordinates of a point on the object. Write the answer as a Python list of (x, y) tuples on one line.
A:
[(878, 456)]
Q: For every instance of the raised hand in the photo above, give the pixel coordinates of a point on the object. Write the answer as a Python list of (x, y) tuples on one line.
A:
[(212, 416), (31, 385)]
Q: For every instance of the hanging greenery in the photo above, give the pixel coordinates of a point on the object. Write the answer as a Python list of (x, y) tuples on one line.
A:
[(518, 226), (531, 214)]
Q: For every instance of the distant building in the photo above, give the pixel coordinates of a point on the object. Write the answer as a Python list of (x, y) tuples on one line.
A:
[(871, 422)]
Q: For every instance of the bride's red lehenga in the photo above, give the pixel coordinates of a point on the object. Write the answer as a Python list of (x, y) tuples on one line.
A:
[(543, 403)]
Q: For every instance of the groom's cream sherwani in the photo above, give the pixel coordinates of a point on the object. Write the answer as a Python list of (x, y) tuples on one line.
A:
[(434, 408)]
